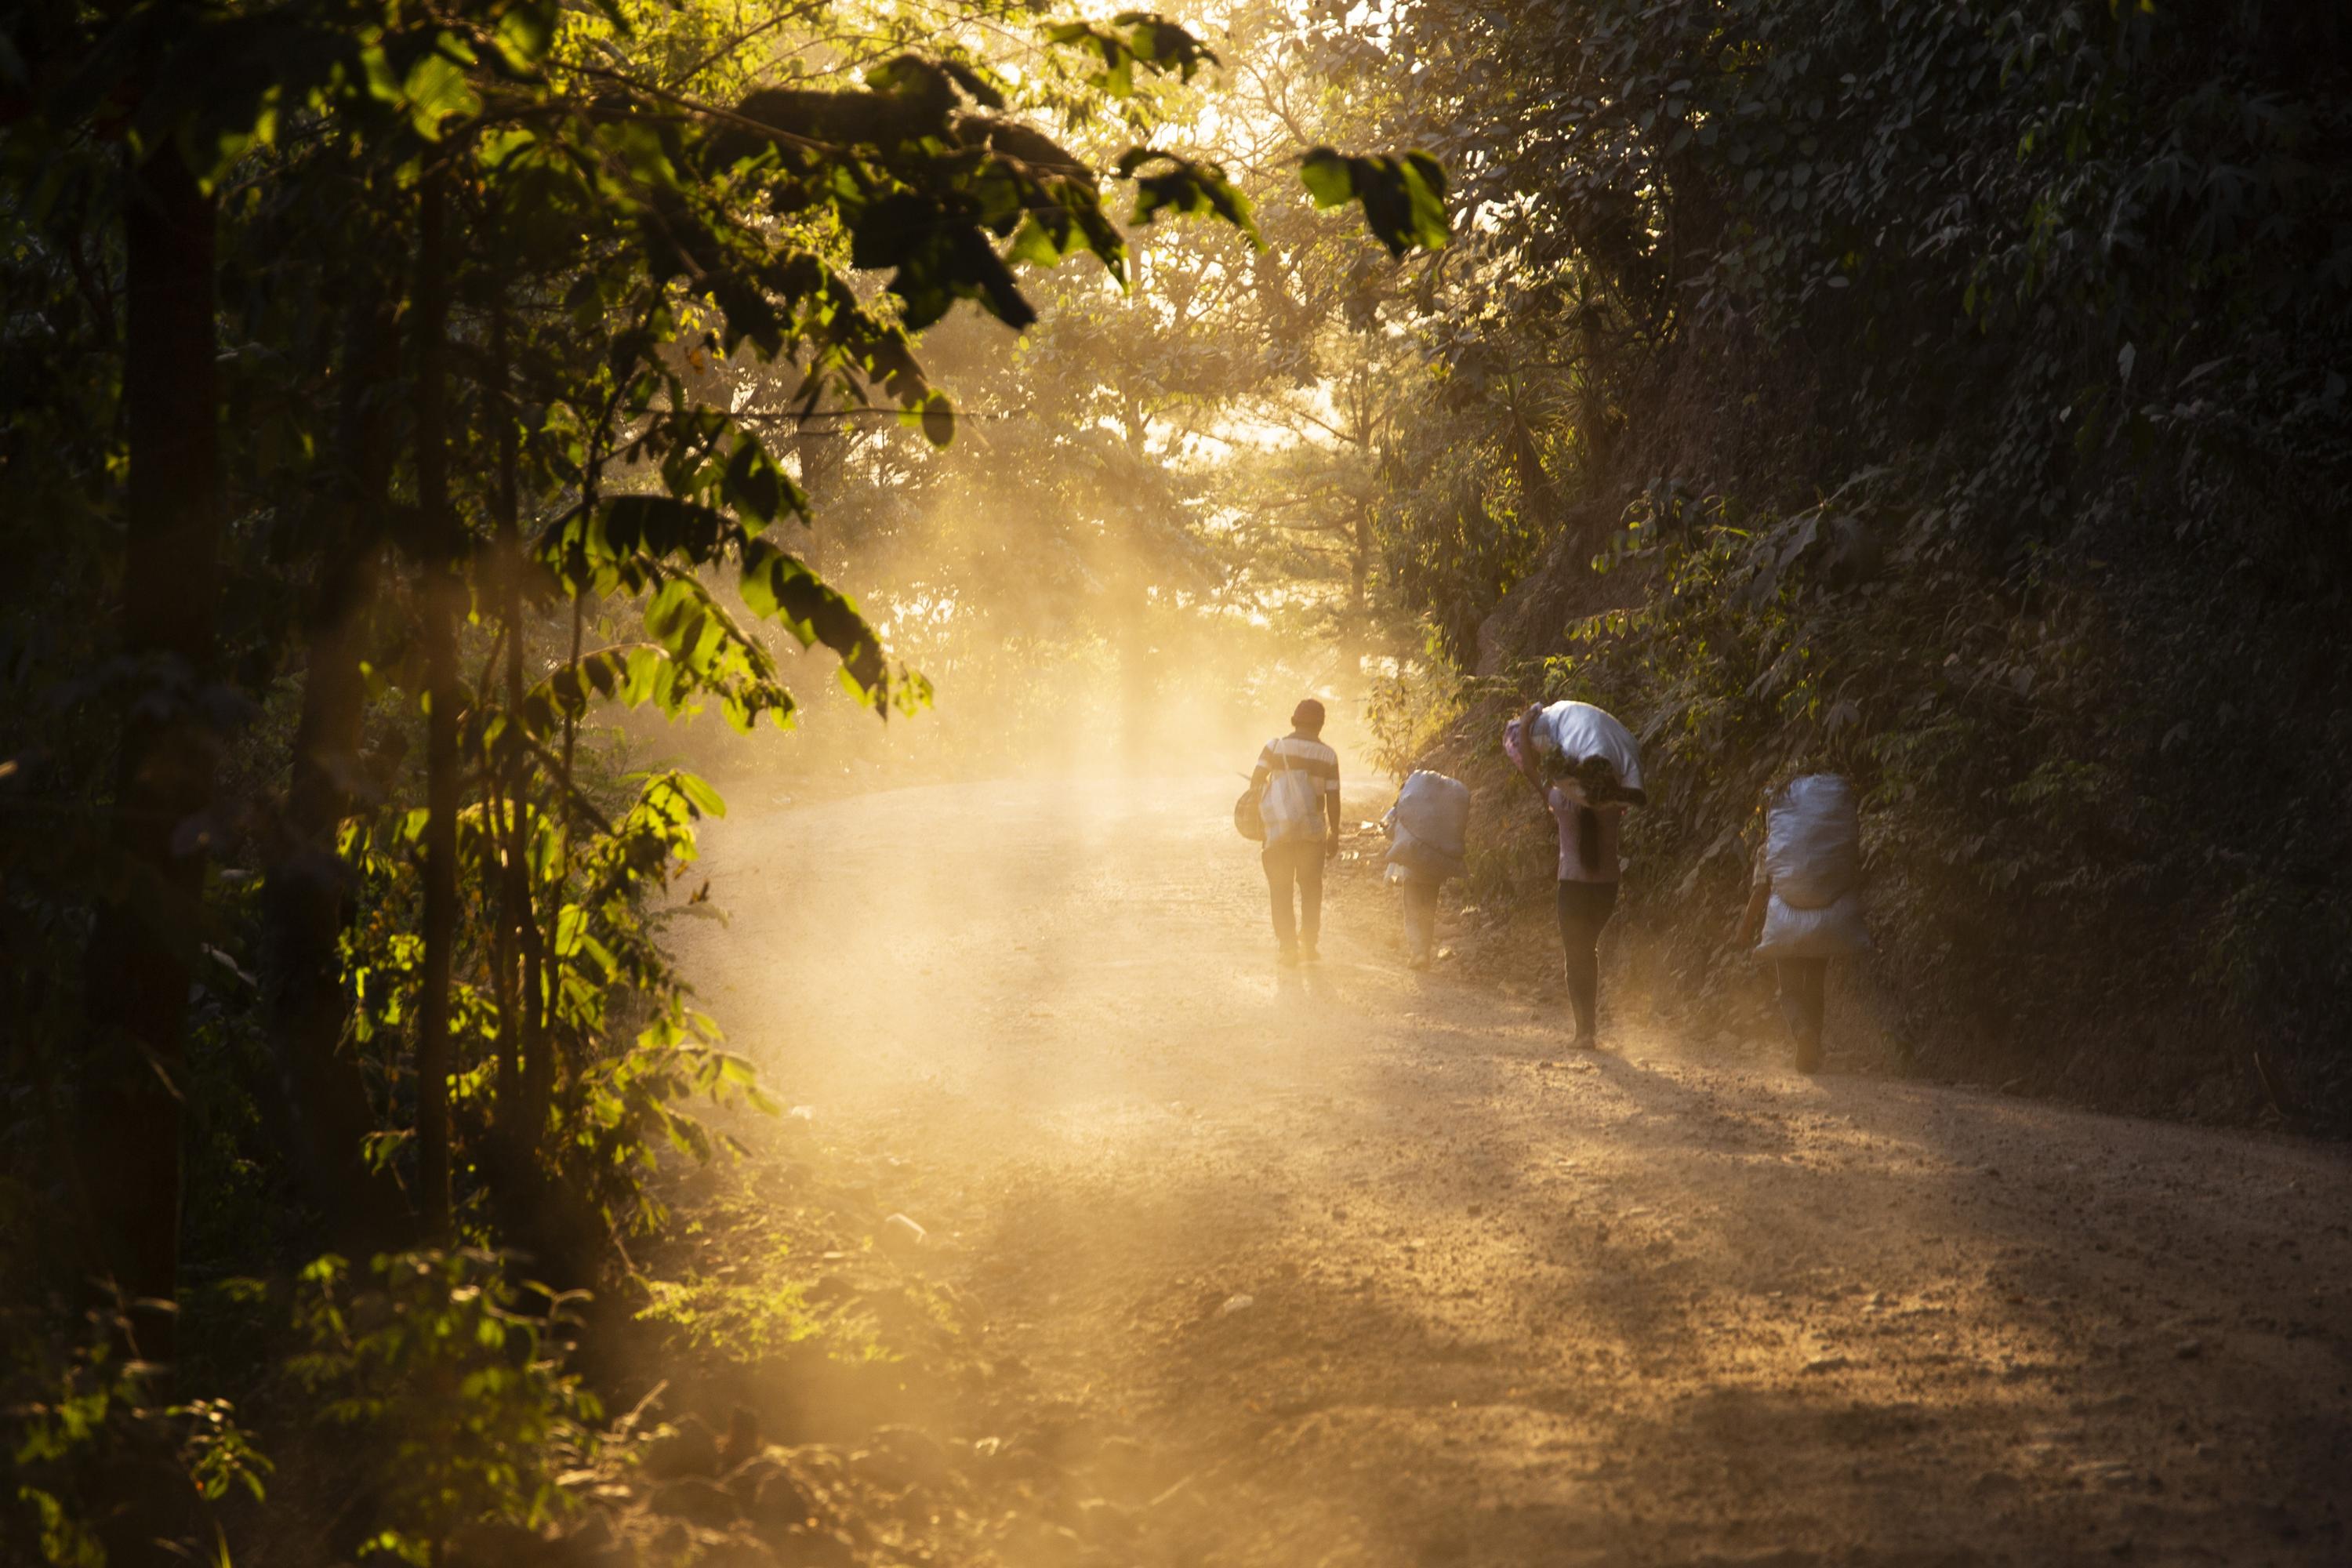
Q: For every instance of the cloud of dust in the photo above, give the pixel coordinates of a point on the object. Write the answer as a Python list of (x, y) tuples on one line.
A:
[(942, 975), (1166, 684)]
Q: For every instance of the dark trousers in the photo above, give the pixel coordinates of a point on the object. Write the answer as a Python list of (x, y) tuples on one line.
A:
[(1802, 1002), (1420, 916), (1584, 909), (1298, 863)]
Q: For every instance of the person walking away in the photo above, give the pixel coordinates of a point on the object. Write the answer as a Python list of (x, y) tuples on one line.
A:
[(1297, 780), (1584, 765), (1428, 829), (1804, 898)]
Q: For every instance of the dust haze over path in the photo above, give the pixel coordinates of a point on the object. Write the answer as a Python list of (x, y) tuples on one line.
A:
[(1508, 1303)]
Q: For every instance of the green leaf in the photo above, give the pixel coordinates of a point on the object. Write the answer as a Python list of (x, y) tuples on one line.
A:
[(1403, 198), (756, 488), (524, 33), (1163, 44), (1187, 188), (1047, 239), (1327, 177), (1150, 39), (782, 587), (892, 230), (707, 800), (904, 74), (438, 89), (609, 548), (939, 420), (629, 673), (983, 91)]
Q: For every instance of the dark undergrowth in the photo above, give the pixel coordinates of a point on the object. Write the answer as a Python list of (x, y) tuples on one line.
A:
[(1960, 405)]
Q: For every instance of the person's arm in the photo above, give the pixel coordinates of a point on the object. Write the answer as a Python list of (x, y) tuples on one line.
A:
[(1759, 894), (1331, 809), (1524, 763)]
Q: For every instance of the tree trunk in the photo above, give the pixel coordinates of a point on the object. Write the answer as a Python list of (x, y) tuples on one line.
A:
[(146, 934), (1359, 569), (528, 1077), (438, 629), (308, 900)]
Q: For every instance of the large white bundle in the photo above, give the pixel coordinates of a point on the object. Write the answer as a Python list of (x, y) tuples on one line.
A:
[(1832, 931), (1436, 809), (1812, 842), (1410, 852), (1575, 731)]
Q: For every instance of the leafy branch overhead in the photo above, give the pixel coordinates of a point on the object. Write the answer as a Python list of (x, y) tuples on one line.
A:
[(1184, 187), (1403, 198), (1134, 38), (663, 219)]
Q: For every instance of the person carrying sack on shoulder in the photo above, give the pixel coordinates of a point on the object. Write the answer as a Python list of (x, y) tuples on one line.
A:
[(1804, 898), (1584, 765), (1429, 828), (1297, 788)]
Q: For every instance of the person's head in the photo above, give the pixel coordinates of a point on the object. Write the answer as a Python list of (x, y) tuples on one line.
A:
[(1308, 717)]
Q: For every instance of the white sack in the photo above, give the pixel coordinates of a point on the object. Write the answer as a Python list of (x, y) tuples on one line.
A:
[(1575, 731), (1812, 842), (1437, 810), (1833, 932), (1418, 857)]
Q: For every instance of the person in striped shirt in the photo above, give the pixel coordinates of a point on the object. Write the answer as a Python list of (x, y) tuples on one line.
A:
[(1297, 780)]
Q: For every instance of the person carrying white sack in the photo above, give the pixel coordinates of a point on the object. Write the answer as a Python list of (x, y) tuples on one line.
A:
[(1584, 765), (1429, 832), (1804, 895)]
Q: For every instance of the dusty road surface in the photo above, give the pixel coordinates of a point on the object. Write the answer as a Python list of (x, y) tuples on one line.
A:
[(1362, 1267)]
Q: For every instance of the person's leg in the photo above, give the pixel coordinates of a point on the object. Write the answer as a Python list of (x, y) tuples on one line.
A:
[(1420, 919), (1277, 862), (1604, 904), (1309, 871), (1804, 1003), (1584, 909)]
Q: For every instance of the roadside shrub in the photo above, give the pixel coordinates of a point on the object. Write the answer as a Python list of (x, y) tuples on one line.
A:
[(459, 1395)]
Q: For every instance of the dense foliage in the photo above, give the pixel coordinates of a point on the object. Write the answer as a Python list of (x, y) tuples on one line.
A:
[(1954, 394), (375, 363)]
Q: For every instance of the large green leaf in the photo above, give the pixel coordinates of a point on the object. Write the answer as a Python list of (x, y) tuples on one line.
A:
[(1196, 188), (782, 587), (628, 673), (1403, 198), (757, 489), (616, 545)]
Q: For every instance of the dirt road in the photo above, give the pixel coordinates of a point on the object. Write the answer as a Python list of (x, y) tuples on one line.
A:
[(1362, 1267)]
